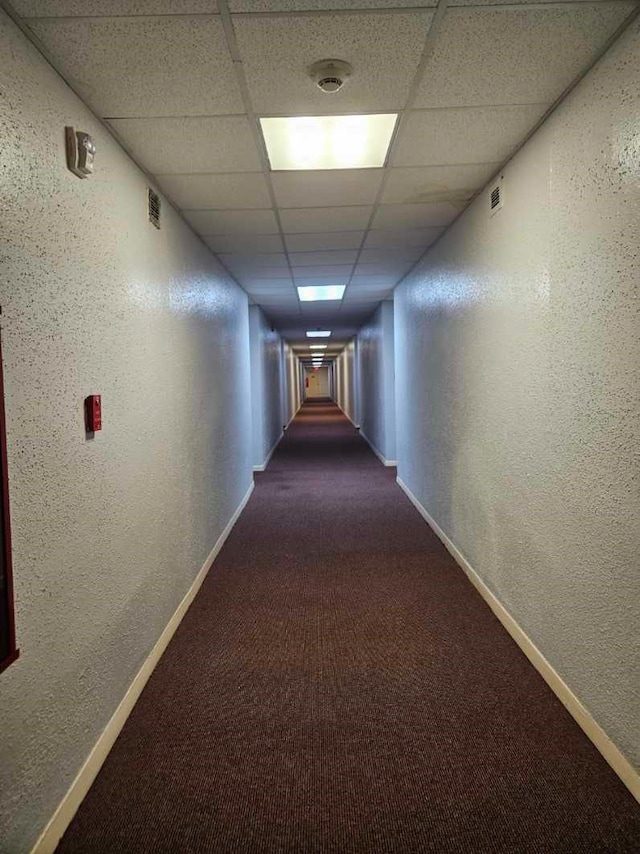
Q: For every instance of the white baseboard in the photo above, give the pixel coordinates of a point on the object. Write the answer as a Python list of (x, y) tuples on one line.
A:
[(293, 416), (61, 819), (383, 460), (619, 763), (263, 465), (346, 415)]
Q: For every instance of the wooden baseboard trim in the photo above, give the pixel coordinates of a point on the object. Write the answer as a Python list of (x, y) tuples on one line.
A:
[(616, 759), (61, 819)]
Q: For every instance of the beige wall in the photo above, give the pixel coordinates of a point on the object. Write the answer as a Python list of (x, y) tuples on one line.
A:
[(517, 354), (108, 533), (318, 383)]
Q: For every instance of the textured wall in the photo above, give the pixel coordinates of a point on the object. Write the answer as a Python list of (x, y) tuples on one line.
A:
[(266, 386), (291, 394), (376, 390), (345, 381), (108, 533), (517, 353)]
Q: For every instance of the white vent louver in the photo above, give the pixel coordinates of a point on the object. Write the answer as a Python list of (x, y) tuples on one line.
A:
[(154, 208), (496, 199)]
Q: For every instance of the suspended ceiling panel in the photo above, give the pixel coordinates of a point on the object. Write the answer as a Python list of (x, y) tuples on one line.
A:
[(182, 83), (276, 51), (490, 56), (190, 145), (145, 66)]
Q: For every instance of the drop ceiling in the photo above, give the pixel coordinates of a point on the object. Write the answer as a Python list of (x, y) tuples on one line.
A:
[(183, 83)]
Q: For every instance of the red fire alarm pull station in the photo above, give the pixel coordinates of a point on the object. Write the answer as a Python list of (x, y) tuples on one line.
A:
[(93, 413)]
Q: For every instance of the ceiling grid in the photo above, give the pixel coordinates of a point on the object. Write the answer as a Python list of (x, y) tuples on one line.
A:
[(183, 84)]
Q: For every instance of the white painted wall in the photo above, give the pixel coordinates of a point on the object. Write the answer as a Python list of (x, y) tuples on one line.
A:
[(376, 386), (345, 381), (108, 533), (517, 354), (292, 392), (266, 386)]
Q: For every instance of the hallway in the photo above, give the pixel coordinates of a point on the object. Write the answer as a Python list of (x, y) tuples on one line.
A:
[(339, 686)]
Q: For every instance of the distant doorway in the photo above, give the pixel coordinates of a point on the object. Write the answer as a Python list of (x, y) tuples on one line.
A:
[(317, 383)]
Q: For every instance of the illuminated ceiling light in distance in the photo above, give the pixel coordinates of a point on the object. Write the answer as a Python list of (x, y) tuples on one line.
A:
[(318, 333), (313, 293), (328, 142), (317, 346)]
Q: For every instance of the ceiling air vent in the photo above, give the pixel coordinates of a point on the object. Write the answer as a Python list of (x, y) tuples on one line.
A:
[(154, 208), (496, 199)]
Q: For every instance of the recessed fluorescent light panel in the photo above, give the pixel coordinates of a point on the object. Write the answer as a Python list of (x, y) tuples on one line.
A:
[(317, 346), (328, 142), (318, 334), (312, 293)]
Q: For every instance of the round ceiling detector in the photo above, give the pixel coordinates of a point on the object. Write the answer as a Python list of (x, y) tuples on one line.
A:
[(330, 74)]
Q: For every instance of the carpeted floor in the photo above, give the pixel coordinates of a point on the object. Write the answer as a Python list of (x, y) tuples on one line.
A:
[(339, 686)]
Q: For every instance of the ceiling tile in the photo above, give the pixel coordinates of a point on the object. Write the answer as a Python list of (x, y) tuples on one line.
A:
[(214, 144), (301, 220), (313, 5), (161, 66), (270, 286), (436, 183), (376, 256), (385, 268), (244, 243), (390, 239), (373, 281), (474, 135), (360, 295), (326, 188), (384, 51), (271, 274), (257, 261), (312, 272), (240, 190), (514, 56), (86, 8), (324, 240), (305, 259), (232, 222), (324, 310), (415, 216)]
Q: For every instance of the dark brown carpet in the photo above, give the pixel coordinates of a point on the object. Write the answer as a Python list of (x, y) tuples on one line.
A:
[(339, 686)]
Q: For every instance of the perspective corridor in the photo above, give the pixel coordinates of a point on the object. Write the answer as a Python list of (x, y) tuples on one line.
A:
[(339, 686)]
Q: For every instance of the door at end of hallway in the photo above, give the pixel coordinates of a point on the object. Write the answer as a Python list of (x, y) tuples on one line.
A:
[(317, 383)]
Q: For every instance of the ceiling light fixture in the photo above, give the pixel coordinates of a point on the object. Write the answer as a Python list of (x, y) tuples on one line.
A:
[(317, 346), (314, 293), (328, 142), (317, 333)]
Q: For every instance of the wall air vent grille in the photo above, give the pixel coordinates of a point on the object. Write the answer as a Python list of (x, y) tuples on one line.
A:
[(496, 199), (154, 208)]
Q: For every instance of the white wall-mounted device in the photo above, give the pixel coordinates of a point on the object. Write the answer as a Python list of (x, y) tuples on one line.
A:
[(81, 151)]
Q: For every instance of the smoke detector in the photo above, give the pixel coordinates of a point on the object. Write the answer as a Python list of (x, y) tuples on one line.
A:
[(330, 74)]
